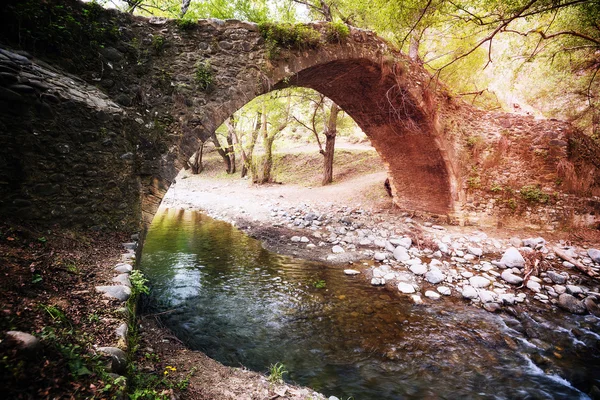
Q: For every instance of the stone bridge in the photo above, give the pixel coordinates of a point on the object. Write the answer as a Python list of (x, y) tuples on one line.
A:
[(99, 145)]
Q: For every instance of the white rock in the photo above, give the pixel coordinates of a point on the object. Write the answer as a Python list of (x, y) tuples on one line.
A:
[(512, 258), (337, 249), (435, 276), (511, 278), (418, 269), (436, 263), (507, 298), (533, 285), (416, 299), (445, 290), (479, 282), (432, 295), (380, 256), (377, 281), (466, 274), (401, 254), (304, 239), (351, 272), (406, 288), (469, 292), (476, 251), (486, 296), (405, 242), (295, 239)]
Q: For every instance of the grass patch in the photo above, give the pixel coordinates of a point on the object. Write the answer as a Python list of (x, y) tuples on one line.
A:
[(288, 36)]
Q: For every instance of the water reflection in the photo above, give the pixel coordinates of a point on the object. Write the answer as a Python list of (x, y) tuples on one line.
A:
[(243, 305)]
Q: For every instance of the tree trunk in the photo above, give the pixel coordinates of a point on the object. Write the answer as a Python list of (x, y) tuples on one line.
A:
[(221, 152), (197, 165), (230, 150), (330, 133), (268, 161), (247, 161), (413, 48)]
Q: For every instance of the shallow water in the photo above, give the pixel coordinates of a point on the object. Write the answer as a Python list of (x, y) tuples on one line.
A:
[(243, 305)]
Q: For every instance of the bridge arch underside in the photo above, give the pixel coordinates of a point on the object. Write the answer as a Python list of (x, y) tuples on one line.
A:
[(398, 124)]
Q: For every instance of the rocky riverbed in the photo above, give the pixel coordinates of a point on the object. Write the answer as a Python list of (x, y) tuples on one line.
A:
[(425, 260)]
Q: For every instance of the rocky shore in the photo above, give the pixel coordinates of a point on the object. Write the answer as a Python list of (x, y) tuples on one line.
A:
[(424, 260)]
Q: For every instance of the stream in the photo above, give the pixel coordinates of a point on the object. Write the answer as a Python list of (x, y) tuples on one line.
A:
[(223, 294)]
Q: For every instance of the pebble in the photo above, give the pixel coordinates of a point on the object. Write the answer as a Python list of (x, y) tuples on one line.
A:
[(434, 276), (119, 292), (479, 282), (469, 292), (571, 304), (511, 278), (337, 249), (295, 239), (445, 290), (416, 299), (476, 251), (401, 254), (594, 255), (406, 288), (572, 289), (380, 256), (304, 239), (351, 272), (123, 268), (533, 285), (557, 278), (486, 296), (432, 295), (418, 269), (377, 281)]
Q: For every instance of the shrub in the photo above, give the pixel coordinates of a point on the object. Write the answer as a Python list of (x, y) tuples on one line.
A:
[(534, 194), (336, 32), (288, 36)]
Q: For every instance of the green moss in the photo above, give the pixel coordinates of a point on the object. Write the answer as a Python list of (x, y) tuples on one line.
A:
[(288, 36), (204, 76), (158, 43), (336, 32), (186, 24)]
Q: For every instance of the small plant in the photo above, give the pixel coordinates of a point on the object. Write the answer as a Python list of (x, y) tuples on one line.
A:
[(72, 268), (158, 44), (534, 194), (495, 188), (42, 239), (474, 182), (186, 24), (320, 284), (55, 313), (93, 318), (473, 141), (512, 204), (204, 76), (336, 32), (36, 278), (138, 282), (276, 372)]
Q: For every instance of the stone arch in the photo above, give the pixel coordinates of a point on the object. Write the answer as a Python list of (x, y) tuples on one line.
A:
[(381, 89)]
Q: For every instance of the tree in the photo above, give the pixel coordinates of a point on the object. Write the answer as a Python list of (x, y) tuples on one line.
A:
[(323, 122), (274, 121)]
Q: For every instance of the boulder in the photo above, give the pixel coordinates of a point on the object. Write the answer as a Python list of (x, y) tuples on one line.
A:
[(592, 306), (406, 288), (469, 292), (118, 292), (418, 269), (479, 282), (401, 254), (118, 359), (22, 341), (557, 278), (512, 258), (571, 304), (434, 276), (594, 255), (511, 278)]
